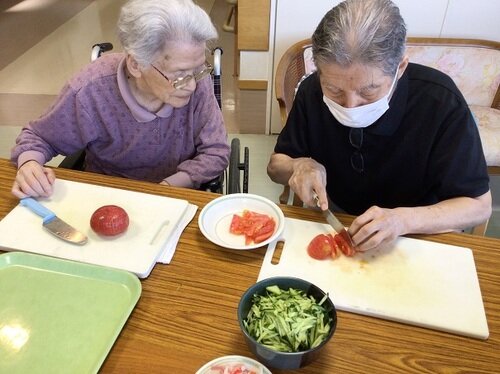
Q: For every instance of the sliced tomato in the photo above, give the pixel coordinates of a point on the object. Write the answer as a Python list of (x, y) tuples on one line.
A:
[(335, 248), (255, 215), (254, 222), (265, 232), (343, 246), (236, 225), (320, 247), (255, 226), (232, 369), (269, 226)]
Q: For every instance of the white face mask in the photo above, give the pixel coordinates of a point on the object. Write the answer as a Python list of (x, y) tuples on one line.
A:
[(360, 116)]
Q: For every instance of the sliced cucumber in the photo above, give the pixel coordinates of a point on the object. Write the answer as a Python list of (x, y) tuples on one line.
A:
[(287, 320)]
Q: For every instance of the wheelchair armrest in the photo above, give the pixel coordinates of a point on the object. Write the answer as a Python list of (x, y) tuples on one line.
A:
[(215, 185), (74, 161)]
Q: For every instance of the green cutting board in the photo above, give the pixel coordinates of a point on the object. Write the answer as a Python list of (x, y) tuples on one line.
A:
[(59, 316)]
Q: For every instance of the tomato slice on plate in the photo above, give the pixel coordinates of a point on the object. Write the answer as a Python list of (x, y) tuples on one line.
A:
[(236, 226), (255, 226), (265, 232)]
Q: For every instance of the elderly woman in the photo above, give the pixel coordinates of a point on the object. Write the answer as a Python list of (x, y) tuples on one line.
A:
[(385, 139), (148, 113)]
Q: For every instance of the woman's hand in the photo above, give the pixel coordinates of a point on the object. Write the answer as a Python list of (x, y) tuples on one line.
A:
[(377, 226), (33, 179)]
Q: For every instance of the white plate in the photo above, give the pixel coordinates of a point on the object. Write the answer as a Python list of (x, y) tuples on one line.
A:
[(249, 363), (216, 216)]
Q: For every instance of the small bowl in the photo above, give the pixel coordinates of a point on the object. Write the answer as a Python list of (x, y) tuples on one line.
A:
[(215, 219), (228, 362), (270, 357)]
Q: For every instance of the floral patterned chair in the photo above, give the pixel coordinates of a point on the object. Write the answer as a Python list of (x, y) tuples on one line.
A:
[(474, 65)]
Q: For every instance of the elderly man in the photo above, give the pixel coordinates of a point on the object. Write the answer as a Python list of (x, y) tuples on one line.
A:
[(387, 140)]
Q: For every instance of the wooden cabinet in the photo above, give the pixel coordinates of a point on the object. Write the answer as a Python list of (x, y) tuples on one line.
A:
[(253, 25)]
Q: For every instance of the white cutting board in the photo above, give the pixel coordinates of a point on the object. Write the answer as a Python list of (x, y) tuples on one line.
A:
[(152, 220), (413, 281)]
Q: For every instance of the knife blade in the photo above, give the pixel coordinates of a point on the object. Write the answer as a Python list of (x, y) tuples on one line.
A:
[(336, 224), (54, 224)]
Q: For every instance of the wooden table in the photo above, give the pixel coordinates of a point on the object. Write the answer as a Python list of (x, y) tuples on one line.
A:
[(186, 315)]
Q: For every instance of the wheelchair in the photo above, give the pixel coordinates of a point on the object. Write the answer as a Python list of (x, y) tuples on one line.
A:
[(230, 178)]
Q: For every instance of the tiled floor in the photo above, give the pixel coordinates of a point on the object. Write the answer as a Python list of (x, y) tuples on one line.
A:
[(34, 70)]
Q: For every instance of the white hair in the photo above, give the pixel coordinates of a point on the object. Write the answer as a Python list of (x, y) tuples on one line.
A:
[(144, 26)]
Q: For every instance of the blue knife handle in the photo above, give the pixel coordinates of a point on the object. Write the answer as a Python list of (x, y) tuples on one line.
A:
[(38, 208)]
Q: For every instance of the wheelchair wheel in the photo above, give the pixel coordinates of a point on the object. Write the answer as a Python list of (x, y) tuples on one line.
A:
[(234, 171), (235, 167)]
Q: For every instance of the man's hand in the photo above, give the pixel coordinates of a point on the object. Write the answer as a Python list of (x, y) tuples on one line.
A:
[(33, 180), (377, 226), (309, 177)]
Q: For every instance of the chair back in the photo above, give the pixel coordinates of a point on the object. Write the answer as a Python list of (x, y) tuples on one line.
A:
[(473, 64), (454, 57), (291, 68)]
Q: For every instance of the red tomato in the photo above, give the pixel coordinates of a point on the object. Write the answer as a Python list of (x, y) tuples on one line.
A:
[(343, 246), (109, 220), (265, 232), (232, 369), (256, 227), (236, 225), (320, 247)]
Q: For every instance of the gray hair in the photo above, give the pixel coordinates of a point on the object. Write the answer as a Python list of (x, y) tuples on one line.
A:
[(369, 32), (144, 26)]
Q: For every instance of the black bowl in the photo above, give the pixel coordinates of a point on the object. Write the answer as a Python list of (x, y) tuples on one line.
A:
[(270, 357)]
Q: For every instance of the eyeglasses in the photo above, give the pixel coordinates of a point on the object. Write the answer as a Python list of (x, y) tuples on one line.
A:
[(356, 140), (182, 82)]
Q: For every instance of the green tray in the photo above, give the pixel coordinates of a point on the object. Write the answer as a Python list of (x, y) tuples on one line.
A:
[(59, 316)]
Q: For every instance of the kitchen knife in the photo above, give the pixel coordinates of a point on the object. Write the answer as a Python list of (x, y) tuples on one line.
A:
[(54, 224), (336, 224)]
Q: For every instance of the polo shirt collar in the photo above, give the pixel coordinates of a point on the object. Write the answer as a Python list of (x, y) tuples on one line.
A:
[(392, 119), (138, 112)]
